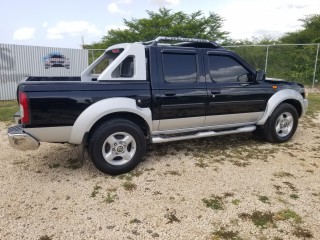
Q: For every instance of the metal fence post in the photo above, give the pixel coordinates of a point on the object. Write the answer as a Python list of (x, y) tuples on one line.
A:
[(315, 66), (267, 55)]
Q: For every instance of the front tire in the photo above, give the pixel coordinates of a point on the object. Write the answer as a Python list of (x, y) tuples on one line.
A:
[(282, 124), (117, 146)]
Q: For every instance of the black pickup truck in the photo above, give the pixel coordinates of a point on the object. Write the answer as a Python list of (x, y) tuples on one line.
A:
[(153, 92)]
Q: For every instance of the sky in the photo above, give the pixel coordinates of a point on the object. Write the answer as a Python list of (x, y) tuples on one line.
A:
[(66, 23)]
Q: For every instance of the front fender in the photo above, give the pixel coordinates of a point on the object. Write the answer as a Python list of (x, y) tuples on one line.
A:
[(102, 108), (278, 98)]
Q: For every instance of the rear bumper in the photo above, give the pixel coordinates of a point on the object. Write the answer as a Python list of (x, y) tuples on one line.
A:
[(20, 140)]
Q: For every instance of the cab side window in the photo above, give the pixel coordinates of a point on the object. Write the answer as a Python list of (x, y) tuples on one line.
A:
[(225, 69), (179, 67), (125, 68)]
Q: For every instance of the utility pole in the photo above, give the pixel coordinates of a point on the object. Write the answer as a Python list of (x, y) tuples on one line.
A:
[(82, 40)]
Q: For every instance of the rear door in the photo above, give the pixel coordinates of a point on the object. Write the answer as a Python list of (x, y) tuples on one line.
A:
[(234, 97), (182, 89)]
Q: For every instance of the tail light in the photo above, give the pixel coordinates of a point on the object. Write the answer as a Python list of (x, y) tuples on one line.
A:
[(24, 108)]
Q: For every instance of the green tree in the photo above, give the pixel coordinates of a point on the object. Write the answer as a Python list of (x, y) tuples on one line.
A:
[(165, 23), (309, 34)]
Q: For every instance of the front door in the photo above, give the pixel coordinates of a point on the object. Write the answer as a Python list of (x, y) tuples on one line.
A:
[(235, 98)]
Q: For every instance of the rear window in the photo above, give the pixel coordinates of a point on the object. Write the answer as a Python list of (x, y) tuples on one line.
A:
[(110, 57)]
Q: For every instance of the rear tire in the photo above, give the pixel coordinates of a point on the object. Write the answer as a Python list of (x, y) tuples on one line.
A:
[(282, 124), (117, 146)]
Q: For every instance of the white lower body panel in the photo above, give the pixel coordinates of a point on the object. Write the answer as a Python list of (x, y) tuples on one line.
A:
[(50, 134)]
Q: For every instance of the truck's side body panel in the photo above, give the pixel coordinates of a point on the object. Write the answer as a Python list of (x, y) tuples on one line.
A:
[(60, 104)]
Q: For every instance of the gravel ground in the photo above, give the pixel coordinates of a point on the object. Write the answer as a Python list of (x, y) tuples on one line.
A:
[(231, 187)]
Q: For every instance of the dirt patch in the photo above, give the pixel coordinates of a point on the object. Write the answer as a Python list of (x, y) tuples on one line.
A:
[(216, 188)]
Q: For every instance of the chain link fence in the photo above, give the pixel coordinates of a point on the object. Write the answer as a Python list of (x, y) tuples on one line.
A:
[(293, 62)]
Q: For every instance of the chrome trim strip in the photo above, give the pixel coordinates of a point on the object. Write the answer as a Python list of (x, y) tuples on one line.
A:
[(50, 134), (159, 139)]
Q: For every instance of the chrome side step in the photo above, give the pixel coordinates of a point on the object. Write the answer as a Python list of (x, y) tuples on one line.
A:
[(167, 138)]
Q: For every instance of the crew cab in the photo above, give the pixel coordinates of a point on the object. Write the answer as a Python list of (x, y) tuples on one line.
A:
[(167, 89)]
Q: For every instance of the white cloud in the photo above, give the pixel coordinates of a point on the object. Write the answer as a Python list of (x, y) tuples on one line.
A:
[(114, 7), (72, 28), (26, 33), (45, 24), (247, 18), (166, 2)]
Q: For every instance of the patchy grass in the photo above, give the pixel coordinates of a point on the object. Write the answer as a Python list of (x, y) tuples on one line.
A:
[(302, 232), (228, 194), (314, 104), (135, 220), (283, 174), (215, 203), (45, 237), (290, 185), (200, 163), (110, 198), (225, 234), (73, 163), (129, 186), (260, 219), (54, 165), (129, 176), (268, 219), (95, 191), (294, 196), (288, 214), (264, 199), (7, 110), (236, 202), (174, 173), (171, 216)]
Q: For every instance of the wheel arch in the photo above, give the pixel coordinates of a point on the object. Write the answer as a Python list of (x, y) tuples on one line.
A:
[(138, 120), (283, 96), (106, 109), (296, 105)]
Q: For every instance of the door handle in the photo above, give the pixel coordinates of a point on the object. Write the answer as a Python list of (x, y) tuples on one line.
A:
[(170, 93), (215, 91)]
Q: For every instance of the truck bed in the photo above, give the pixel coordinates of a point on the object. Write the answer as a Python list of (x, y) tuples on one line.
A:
[(60, 103)]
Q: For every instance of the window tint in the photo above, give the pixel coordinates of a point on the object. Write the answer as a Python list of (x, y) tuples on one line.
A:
[(225, 69), (179, 68)]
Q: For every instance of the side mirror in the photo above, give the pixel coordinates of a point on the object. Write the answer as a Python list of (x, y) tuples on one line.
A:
[(260, 75)]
